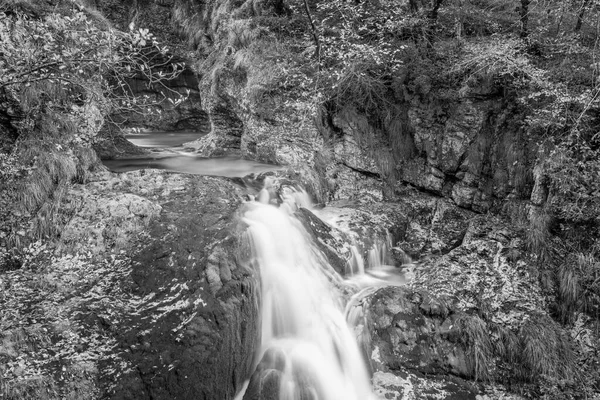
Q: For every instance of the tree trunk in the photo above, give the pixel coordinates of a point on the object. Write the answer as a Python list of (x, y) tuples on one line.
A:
[(524, 14), (432, 21), (581, 15), (315, 34)]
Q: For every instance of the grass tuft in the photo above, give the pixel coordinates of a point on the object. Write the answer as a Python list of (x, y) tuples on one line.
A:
[(87, 161), (538, 234), (361, 87), (569, 291), (579, 287), (546, 351), (50, 170), (242, 33), (507, 345), (475, 338)]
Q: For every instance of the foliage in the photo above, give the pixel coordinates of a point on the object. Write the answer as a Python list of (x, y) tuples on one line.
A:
[(476, 339), (66, 62), (572, 169), (64, 71)]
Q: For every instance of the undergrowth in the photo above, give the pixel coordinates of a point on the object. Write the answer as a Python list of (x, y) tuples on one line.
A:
[(539, 352)]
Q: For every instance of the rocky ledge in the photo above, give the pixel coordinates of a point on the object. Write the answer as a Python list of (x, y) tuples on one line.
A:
[(141, 297)]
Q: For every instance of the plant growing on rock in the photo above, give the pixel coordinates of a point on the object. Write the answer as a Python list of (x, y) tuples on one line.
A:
[(64, 71)]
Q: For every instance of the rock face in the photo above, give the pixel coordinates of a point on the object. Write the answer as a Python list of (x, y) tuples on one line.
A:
[(413, 340), (465, 147), (145, 296), (168, 114)]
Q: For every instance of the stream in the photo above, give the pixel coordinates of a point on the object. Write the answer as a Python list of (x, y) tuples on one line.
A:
[(168, 152), (308, 347)]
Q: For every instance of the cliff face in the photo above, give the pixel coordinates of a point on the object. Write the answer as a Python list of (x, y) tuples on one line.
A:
[(168, 111), (470, 148), (468, 143), (144, 269)]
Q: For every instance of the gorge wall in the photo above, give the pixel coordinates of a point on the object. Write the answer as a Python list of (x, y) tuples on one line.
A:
[(154, 294), (468, 143)]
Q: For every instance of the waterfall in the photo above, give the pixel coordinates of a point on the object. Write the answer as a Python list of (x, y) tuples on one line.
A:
[(305, 336)]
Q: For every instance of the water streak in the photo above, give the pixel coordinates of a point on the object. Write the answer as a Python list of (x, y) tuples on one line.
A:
[(303, 322)]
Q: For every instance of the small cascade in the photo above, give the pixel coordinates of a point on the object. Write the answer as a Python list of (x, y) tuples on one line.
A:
[(379, 270), (356, 264), (305, 337)]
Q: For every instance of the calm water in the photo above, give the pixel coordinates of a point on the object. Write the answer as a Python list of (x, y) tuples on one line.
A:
[(169, 154), (162, 139), (192, 164)]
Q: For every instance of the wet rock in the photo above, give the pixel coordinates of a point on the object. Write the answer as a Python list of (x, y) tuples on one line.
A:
[(196, 326), (413, 346), (330, 241), (264, 385)]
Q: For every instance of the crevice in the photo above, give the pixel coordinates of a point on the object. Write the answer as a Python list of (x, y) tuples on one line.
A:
[(457, 243), (368, 174)]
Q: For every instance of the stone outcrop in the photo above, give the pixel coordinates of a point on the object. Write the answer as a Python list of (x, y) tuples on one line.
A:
[(469, 148), (144, 295), (413, 340), (178, 106)]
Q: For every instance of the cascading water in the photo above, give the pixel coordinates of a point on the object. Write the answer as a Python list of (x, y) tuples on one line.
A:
[(303, 322)]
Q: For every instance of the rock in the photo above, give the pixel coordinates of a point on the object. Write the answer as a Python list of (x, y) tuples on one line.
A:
[(405, 385), (198, 319), (418, 173), (332, 242), (412, 346), (463, 195), (480, 275), (157, 304), (265, 381), (432, 225), (407, 332), (107, 222)]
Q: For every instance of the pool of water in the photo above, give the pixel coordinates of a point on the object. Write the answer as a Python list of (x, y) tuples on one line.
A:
[(167, 152), (162, 139), (192, 164)]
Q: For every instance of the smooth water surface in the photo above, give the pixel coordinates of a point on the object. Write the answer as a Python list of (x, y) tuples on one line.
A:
[(162, 139), (168, 153), (192, 164)]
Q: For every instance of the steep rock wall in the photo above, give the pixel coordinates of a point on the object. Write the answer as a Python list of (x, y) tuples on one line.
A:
[(469, 147), (468, 144), (168, 113)]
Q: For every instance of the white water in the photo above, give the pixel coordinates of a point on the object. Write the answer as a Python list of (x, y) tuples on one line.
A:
[(302, 313)]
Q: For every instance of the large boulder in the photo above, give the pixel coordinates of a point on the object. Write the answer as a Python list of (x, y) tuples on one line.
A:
[(144, 296)]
